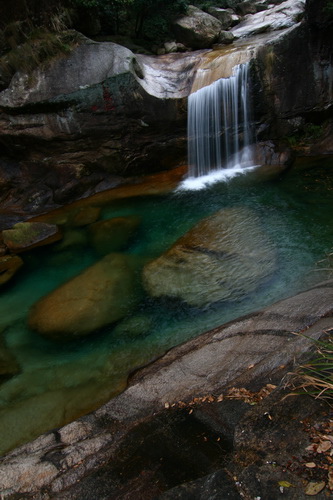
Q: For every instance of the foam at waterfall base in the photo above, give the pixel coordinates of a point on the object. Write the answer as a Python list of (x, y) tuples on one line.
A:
[(221, 175)]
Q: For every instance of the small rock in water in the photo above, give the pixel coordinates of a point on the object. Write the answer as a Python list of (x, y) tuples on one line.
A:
[(113, 234), (27, 235)]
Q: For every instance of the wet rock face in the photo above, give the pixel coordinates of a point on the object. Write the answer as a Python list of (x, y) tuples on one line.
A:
[(225, 256), (102, 294), (292, 81), (101, 112)]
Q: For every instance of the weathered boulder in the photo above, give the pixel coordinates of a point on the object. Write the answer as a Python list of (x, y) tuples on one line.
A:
[(223, 15), (112, 235), (197, 29), (225, 37), (27, 235), (223, 257), (100, 295), (9, 265)]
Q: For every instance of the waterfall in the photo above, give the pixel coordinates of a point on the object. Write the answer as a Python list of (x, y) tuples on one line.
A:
[(219, 128)]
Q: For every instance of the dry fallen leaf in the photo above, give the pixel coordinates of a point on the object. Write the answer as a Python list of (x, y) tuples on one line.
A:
[(310, 465), (324, 446), (330, 479), (314, 488)]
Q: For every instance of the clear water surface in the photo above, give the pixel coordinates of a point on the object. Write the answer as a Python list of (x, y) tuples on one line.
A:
[(59, 382)]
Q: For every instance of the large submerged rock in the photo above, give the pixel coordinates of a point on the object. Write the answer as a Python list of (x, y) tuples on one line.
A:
[(100, 295), (224, 257)]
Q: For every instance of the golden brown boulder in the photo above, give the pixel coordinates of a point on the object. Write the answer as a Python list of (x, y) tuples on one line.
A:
[(100, 295)]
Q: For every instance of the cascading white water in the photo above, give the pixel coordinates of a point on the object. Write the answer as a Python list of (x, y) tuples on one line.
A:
[(219, 129)]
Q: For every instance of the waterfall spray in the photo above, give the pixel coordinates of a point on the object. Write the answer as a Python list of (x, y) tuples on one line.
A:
[(219, 128)]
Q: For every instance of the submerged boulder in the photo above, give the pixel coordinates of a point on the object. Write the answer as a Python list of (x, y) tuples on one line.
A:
[(27, 235), (113, 234), (223, 257), (197, 29), (9, 265), (8, 364), (100, 295)]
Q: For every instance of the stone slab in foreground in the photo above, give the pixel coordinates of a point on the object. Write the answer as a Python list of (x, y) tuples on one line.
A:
[(255, 349)]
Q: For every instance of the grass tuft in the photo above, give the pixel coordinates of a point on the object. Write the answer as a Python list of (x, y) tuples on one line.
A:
[(316, 377)]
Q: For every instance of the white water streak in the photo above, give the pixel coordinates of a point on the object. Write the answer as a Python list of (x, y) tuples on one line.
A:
[(219, 131)]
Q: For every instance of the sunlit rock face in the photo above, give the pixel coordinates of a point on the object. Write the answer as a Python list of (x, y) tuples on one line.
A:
[(223, 257)]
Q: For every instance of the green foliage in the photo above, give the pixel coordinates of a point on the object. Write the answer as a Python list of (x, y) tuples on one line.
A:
[(142, 16), (308, 134), (36, 49)]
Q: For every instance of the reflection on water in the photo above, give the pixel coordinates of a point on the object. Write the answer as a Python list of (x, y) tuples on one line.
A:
[(60, 381)]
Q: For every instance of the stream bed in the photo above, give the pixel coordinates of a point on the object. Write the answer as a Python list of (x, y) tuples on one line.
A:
[(58, 382)]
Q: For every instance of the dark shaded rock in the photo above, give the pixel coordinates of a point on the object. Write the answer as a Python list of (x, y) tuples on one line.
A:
[(9, 265), (197, 29), (292, 86), (225, 37), (27, 235), (214, 260), (100, 295), (247, 7), (113, 234), (9, 366), (134, 326), (85, 216), (271, 437), (267, 153), (223, 15), (216, 486)]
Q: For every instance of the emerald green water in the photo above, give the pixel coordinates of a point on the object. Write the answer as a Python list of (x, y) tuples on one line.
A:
[(59, 382)]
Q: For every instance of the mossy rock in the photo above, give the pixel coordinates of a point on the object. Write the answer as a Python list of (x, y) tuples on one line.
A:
[(27, 235)]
